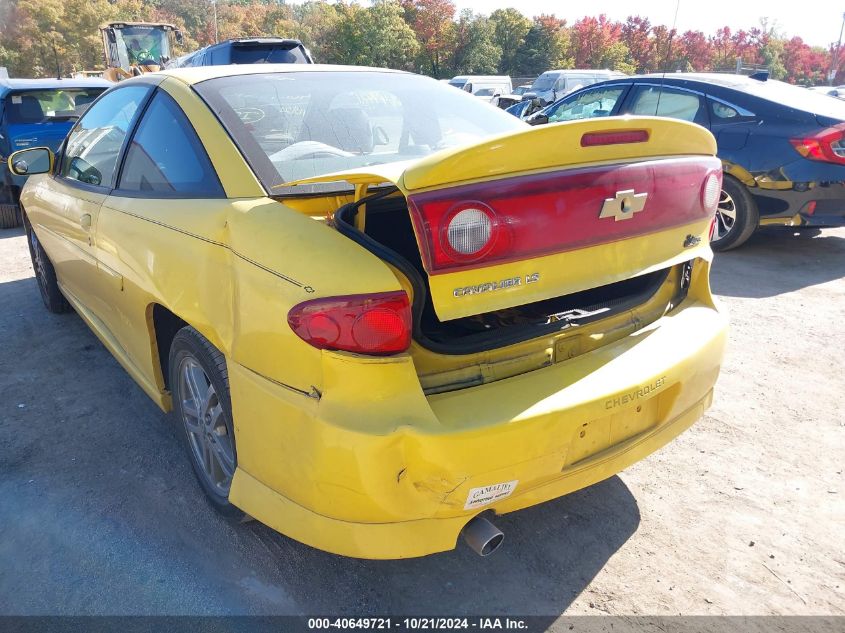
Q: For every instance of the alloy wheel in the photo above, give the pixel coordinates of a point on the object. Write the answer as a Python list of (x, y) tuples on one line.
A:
[(208, 434), (725, 216)]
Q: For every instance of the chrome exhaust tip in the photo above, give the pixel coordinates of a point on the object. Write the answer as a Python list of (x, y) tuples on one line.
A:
[(483, 537)]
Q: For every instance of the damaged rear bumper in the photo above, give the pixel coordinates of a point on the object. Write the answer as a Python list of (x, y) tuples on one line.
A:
[(375, 469)]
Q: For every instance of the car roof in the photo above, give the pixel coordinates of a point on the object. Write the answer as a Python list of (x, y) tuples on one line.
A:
[(164, 25), (771, 90), (293, 43), (7, 85), (582, 71), (258, 40), (727, 80), (496, 77), (197, 74)]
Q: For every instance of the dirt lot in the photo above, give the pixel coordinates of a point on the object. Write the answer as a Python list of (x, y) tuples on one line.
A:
[(744, 514)]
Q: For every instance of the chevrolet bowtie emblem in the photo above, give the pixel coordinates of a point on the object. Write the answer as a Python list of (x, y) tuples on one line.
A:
[(624, 205)]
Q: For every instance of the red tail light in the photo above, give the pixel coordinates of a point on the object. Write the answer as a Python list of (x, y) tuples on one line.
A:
[(614, 137), (827, 146), (376, 324), (512, 219)]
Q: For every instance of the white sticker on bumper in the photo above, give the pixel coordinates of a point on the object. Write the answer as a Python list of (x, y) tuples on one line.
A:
[(486, 495)]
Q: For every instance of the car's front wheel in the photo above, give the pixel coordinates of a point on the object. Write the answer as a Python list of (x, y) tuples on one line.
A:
[(199, 383), (736, 216)]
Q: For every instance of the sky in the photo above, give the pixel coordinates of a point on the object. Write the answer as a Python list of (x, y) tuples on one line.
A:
[(817, 22)]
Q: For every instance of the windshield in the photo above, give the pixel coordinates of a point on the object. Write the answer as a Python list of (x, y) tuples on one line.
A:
[(44, 106), (296, 125), (268, 54), (143, 43), (544, 82)]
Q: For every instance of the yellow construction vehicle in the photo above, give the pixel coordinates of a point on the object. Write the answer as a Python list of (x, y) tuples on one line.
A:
[(135, 48)]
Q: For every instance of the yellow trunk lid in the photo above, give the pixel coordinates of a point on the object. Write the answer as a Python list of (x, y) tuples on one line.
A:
[(567, 214)]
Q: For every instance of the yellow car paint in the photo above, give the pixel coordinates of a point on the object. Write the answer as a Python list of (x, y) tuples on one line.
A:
[(562, 273), (371, 456)]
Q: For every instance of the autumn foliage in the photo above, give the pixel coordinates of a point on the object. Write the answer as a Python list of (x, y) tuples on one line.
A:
[(41, 37)]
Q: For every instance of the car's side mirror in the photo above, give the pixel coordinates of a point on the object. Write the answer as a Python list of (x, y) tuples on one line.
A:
[(178, 36), (537, 119), (33, 160)]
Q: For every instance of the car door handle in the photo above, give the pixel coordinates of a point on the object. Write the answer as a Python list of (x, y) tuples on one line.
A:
[(85, 221)]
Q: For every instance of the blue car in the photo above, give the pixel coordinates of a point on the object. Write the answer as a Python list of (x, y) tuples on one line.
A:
[(246, 50), (37, 113), (782, 147)]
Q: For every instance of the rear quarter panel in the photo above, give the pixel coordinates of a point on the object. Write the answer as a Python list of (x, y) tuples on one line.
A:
[(232, 267)]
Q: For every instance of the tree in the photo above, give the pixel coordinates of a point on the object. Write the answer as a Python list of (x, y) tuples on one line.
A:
[(667, 51), (423, 35), (475, 51), (596, 44), (316, 24), (511, 27), (723, 49), (546, 46), (432, 22), (636, 35), (694, 51), (804, 65), (375, 36), (194, 17)]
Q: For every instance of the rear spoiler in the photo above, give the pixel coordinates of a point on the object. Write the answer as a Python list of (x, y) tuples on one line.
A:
[(548, 147)]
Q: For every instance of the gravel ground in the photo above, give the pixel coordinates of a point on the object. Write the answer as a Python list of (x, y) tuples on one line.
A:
[(744, 514)]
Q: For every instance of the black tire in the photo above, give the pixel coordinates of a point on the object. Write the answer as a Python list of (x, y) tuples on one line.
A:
[(734, 195), (189, 350), (45, 274), (10, 216)]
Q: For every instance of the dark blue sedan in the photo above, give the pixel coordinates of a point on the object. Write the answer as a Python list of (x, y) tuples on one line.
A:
[(782, 147)]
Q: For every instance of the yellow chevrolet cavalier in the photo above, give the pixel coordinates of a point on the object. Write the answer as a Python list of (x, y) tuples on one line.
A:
[(383, 311)]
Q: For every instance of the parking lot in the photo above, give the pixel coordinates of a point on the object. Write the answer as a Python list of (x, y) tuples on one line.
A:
[(744, 514)]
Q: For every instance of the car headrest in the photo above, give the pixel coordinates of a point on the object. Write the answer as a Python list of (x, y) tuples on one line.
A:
[(351, 130)]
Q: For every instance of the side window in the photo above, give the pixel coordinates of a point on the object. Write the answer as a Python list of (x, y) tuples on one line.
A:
[(94, 144), (723, 112), (165, 157), (588, 104), (676, 104)]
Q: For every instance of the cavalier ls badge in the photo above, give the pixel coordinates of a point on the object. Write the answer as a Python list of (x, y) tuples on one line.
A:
[(624, 205)]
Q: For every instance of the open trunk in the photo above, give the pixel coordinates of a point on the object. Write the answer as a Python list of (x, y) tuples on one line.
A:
[(388, 233), (529, 234)]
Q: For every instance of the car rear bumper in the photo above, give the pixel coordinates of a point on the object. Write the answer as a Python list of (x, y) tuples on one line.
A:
[(421, 537), (330, 474), (808, 205)]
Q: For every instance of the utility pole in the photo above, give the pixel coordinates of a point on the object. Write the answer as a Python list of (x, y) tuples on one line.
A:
[(217, 39), (834, 63)]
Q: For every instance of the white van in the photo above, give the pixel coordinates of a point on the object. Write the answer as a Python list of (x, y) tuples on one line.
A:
[(483, 86), (554, 84)]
